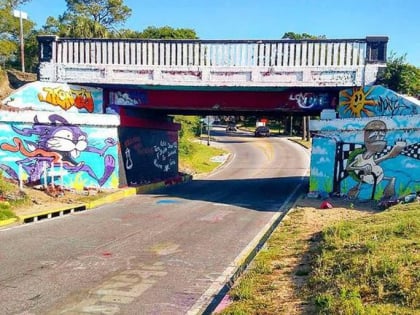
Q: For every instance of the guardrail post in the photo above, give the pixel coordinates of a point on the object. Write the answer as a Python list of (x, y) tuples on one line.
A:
[(376, 49)]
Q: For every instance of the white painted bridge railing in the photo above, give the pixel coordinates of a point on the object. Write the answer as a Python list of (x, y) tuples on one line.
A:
[(348, 62)]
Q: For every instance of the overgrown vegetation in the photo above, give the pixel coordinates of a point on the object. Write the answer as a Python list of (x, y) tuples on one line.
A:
[(9, 198), (194, 156), (400, 76), (369, 265)]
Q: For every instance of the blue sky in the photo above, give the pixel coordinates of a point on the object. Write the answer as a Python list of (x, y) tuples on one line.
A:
[(270, 19)]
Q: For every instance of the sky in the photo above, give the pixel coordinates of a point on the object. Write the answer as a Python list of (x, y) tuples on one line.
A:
[(270, 19)]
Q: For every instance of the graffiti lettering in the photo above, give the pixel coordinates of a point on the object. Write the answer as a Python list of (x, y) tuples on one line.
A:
[(310, 100), (392, 106), (164, 152), (81, 99), (121, 289), (132, 141)]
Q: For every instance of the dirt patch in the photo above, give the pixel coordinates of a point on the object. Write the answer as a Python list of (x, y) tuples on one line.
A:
[(5, 88), (41, 201), (38, 199), (296, 260), (293, 244), (11, 80)]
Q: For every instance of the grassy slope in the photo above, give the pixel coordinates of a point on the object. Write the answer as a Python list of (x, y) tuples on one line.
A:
[(194, 156), (370, 265), (365, 265)]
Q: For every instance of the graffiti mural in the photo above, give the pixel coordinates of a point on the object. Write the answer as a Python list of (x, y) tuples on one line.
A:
[(149, 155), (53, 146), (373, 101), (312, 101), (374, 158), (127, 97), (124, 97), (57, 97)]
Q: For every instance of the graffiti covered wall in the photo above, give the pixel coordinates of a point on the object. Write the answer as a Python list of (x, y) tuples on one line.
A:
[(149, 155), (287, 100), (70, 149), (57, 97), (370, 101), (372, 151)]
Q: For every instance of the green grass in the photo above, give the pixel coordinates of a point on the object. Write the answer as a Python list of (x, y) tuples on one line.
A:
[(370, 265), (9, 198), (198, 157), (195, 156), (255, 290)]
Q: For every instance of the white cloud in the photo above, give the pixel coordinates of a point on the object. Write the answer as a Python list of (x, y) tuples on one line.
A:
[(319, 150), (317, 173), (324, 160), (411, 165)]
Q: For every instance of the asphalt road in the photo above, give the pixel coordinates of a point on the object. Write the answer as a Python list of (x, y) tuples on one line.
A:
[(166, 252)]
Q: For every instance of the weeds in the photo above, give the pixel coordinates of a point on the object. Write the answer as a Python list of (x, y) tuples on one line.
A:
[(10, 197), (365, 265)]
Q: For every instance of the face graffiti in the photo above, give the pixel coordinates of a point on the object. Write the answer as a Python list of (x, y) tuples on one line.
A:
[(57, 142), (363, 164)]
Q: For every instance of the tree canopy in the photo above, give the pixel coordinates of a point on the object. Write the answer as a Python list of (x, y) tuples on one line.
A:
[(10, 31), (167, 32), (400, 76), (89, 18), (297, 36)]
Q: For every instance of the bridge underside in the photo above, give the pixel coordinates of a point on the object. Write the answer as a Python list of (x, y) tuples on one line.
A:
[(222, 100)]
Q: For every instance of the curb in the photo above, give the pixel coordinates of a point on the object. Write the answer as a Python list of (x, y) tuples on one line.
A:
[(214, 296), (8, 221), (112, 197)]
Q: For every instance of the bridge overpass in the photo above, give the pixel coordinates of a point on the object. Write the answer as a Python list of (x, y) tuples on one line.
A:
[(99, 113), (216, 76)]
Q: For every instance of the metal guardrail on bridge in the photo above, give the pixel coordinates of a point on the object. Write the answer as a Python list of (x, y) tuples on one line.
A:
[(348, 62)]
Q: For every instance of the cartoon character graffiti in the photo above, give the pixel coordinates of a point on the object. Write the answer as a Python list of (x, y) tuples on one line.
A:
[(363, 164), (58, 143)]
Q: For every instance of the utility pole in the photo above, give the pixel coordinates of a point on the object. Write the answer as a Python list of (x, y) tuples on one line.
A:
[(21, 15), (208, 130)]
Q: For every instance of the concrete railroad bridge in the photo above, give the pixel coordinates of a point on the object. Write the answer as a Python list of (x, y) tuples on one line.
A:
[(99, 115), (176, 76)]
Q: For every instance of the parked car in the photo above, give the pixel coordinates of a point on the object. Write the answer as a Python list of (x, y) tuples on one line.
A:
[(231, 127), (262, 131)]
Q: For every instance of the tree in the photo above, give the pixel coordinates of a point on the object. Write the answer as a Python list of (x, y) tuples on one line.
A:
[(167, 32), (89, 18), (297, 36), (12, 3), (104, 12), (10, 31), (400, 76)]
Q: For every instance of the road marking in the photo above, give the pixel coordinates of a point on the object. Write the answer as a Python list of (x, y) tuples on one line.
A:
[(226, 279), (120, 289)]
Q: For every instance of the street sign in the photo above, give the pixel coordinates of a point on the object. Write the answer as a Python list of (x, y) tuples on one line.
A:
[(20, 14)]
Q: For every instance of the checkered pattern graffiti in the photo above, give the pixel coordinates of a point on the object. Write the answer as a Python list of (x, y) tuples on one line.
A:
[(344, 152)]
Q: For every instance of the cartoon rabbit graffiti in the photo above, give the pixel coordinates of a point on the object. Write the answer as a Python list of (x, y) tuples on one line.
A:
[(58, 142)]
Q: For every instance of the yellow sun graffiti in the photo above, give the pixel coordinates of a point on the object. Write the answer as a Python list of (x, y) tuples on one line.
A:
[(357, 101)]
